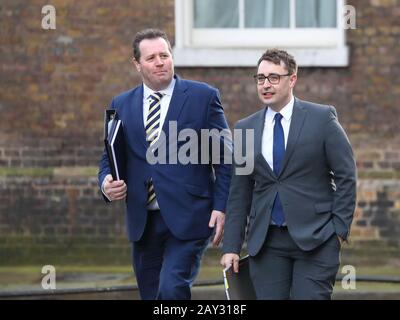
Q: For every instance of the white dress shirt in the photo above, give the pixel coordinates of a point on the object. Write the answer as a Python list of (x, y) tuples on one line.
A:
[(165, 100), (164, 105), (268, 133)]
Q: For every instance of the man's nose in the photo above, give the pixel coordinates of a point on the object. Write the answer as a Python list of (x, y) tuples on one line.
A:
[(266, 84), (159, 61)]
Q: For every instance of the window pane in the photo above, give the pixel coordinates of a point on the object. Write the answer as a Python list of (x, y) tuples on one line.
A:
[(216, 13), (316, 13), (267, 13)]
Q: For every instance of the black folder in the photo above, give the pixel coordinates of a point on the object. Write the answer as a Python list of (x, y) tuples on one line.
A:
[(114, 141), (239, 286)]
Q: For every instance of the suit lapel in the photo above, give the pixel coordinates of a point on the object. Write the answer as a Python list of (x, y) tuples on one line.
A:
[(258, 133), (298, 117), (178, 99), (136, 116)]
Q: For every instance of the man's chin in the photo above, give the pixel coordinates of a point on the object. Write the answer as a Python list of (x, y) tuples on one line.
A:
[(269, 101), (160, 84), (164, 80)]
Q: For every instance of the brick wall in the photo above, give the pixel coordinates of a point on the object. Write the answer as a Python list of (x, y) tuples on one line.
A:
[(56, 83)]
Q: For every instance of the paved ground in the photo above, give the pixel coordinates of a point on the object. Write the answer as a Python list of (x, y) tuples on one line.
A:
[(199, 293)]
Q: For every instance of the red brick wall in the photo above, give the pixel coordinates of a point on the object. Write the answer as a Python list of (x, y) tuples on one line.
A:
[(56, 83)]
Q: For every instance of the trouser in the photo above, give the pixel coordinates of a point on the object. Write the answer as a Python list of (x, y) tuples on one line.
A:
[(165, 267), (281, 270)]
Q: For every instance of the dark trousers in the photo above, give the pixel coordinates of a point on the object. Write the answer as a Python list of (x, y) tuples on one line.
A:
[(165, 266), (281, 270)]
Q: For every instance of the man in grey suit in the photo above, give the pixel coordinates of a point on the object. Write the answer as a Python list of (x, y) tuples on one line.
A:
[(298, 202)]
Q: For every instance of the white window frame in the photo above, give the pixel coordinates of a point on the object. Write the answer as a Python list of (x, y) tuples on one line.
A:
[(242, 47)]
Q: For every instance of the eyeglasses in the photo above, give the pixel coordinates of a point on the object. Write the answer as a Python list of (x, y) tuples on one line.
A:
[(273, 78)]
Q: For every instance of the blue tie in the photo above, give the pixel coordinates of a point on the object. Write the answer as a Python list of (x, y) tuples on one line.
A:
[(278, 153)]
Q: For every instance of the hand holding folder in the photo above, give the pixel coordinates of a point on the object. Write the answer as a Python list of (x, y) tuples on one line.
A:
[(239, 286), (114, 142)]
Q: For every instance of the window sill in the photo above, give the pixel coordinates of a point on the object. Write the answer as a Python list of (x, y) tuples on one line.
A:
[(316, 57)]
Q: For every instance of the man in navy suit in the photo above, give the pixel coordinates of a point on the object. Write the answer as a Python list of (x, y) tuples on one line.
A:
[(172, 208)]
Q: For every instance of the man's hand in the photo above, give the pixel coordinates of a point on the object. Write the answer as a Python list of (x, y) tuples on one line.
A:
[(115, 190), (229, 259), (218, 219), (340, 240)]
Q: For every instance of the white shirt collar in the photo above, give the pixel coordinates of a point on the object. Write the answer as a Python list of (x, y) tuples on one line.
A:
[(286, 112), (167, 91)]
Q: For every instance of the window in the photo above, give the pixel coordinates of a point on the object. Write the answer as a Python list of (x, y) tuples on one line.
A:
[(264, 13), (236, 32)]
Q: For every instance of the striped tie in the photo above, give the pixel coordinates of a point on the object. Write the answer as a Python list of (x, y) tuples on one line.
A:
[(152, 133)]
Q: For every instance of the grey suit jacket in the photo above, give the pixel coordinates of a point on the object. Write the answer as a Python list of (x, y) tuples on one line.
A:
[(317, 182)]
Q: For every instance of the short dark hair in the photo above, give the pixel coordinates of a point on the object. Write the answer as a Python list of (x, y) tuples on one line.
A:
[(276, 56), (147, 34)]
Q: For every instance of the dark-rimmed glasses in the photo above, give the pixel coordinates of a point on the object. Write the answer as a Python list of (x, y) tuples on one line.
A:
[(273, 78)]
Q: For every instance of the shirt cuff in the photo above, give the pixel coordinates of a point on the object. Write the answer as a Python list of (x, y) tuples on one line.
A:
[(102, 190)]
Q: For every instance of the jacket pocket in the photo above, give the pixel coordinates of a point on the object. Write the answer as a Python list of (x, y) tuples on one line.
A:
[(198, 191), (323, 207)]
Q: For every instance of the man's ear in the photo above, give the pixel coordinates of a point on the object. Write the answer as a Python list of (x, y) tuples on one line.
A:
[(136, 64), (293, 79)]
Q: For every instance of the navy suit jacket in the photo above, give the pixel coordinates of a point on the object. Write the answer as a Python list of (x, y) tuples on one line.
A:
[(186, 193)]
